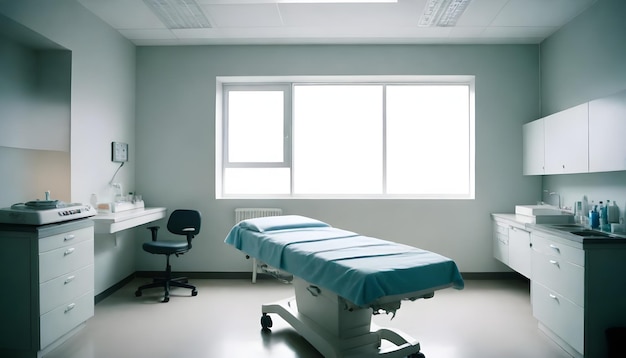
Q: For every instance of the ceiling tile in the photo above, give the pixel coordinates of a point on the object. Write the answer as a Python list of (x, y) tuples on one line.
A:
[(518, 31), (540, 12), (343, 15), (124, 14), (248, 15), (480, 13)]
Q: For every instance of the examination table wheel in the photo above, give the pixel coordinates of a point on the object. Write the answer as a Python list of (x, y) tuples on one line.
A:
[(266, 322)]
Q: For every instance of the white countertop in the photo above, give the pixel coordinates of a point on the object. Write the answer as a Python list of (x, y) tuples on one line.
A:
[(110, 223)]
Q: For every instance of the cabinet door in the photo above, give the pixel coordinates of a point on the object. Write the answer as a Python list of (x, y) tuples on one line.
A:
[(501, 242), (607, 131), (519, 250), (566, 141), (533, 148)]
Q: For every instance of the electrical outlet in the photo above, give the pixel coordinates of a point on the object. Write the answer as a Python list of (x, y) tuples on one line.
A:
[(119, 152)]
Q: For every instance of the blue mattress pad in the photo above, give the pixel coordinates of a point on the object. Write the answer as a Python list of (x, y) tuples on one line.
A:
[(358, 268)]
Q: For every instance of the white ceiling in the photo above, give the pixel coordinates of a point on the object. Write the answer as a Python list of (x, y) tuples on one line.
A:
[(273, 22)]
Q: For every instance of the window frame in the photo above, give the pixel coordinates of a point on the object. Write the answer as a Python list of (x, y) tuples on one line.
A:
[(224, 84)]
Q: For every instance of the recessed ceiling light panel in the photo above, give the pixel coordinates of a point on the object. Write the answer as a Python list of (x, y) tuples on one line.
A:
[(442, 12), (179, 14)]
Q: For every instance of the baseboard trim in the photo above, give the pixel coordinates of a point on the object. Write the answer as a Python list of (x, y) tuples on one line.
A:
[(493, 276), (248, 276), (109, 291)]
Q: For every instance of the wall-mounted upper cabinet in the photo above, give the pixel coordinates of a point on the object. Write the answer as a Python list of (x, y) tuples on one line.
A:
[(566, 141), (588, 138), (533, 148), (607, 133)]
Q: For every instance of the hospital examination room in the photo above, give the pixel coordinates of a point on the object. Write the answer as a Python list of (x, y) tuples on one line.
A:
[(313, 178)]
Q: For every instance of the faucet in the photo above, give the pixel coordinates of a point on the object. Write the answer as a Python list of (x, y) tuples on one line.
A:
[(557, 195)]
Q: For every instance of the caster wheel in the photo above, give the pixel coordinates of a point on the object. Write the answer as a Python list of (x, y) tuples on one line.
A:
[(266, 322), (165, 299), (137, 293), (194, 292)]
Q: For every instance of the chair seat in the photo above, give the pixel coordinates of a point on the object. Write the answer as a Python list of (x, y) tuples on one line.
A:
[(165, 247)]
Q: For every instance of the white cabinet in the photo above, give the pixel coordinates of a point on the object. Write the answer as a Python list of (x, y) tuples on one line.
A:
[(586, 138), (533, 148), (511, 243), (49, 274), (501, 241), (566, 141), (607, 132), (577, 291), (557, 289), (519, 250)]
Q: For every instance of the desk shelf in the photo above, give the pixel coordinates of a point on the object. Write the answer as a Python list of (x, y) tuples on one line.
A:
[(114, 222)]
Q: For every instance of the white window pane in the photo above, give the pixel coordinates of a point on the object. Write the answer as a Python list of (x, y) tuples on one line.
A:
[(428, 132), (255, 126), (337, 147), (256, 181)]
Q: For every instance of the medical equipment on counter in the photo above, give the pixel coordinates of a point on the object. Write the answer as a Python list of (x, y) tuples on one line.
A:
[(341, 278)]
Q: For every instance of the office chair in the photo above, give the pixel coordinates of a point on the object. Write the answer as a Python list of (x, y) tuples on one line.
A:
[(181, 222)]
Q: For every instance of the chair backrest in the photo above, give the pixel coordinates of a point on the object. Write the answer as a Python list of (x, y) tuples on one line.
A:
[(184, 222)]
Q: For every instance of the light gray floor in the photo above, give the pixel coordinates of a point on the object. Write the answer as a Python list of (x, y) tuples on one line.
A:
[(489, 318)]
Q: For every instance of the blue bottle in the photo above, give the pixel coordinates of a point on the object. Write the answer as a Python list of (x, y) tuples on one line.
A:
[(594, 218)]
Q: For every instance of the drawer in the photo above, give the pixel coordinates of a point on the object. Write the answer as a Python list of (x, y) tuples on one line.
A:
[(563, 252), (501, 248), (65, 259), (562, 316), (501, 229), (64, 288), (63, 319), (68, 238), (564, 277)]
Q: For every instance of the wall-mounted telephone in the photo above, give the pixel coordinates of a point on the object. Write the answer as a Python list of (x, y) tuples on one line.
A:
[(119, 152)]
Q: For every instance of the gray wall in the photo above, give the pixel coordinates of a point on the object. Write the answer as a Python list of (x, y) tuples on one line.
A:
[(583, 61), (176, 131), (171, 140), (102, 110), (34, 121)]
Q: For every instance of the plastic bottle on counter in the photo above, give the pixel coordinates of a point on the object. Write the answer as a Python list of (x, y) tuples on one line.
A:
[(612, 212), (602, 215), (594, 217)]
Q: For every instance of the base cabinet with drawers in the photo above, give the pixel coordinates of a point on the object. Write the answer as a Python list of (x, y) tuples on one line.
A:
[(578, 291), (511, 243), (48, 276)]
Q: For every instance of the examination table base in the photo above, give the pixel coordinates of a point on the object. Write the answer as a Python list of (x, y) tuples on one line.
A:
[(335, 327)]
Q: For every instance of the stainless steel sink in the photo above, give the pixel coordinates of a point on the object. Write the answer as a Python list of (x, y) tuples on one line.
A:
[(590, 233)]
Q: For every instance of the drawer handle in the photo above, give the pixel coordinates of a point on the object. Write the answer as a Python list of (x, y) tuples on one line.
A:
[(70, 307), (68, 251), (69, 279), (555, 248), (69, 237), (554, 298), (555, 263)]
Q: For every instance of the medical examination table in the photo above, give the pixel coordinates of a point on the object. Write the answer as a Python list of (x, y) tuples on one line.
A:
[(340, 280)]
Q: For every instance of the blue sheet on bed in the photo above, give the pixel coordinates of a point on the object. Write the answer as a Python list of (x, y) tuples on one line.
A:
[(359, 268)]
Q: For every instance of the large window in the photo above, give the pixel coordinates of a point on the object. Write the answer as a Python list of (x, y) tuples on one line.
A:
[(352, 139)]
